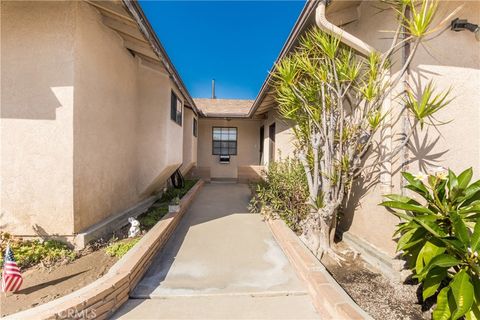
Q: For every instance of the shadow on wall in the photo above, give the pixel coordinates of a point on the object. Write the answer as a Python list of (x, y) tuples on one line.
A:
[(44, 235), (37, 59), (421, 150), (2, 218), (423, 153), (34, 102)]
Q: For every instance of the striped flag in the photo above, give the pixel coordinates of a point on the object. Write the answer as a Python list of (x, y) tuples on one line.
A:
[(11, 276)]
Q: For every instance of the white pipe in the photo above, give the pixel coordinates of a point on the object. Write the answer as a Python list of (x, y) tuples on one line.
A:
[(345, 37), (364, 49)]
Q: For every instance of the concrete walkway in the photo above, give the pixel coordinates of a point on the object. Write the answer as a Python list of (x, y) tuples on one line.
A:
[(221, 263)]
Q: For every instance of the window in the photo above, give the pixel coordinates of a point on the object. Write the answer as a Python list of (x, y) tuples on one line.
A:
[(176, 109), (224, 141), (195, 127)]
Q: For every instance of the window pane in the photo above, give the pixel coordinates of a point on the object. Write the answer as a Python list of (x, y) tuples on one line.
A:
[(179, 112), (232, 147), (224, 141), (173, 107), (232, 137), (217, 134)]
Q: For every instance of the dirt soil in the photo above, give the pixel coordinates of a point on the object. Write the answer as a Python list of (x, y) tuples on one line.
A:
[(380, 297), (41, 285)]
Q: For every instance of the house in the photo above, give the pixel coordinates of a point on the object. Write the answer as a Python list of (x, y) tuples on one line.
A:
[(94, 117), (451, 61)]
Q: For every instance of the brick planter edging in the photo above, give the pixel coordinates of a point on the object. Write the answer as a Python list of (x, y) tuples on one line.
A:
[(328, 297), (101, 298)]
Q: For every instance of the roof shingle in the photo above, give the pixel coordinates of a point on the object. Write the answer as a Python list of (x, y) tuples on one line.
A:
[(223, 107)]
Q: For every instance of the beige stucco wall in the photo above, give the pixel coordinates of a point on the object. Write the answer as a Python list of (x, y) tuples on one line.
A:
[(451, 60), (159, 140), (284, 138), (126, 146), (189, 141), (37, 75), (86, 129), (247, 147), (105, 121)]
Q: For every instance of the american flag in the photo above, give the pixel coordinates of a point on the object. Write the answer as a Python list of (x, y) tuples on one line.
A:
[(11, 276)]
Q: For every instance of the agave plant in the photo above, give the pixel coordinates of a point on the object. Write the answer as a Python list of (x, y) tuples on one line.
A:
[(440, 239)]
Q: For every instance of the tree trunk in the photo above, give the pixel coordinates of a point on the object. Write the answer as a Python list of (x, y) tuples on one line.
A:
[(327, 222), (310, 231), (319, 232)]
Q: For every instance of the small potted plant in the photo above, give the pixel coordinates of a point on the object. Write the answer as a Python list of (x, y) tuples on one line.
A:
[(174, 205)]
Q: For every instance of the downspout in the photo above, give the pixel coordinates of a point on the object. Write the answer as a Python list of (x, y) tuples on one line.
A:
[(347, 38), (365, 49)]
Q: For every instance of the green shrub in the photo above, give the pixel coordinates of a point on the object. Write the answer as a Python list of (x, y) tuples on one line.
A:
[(284, 193), (173, 193), (154, 214), (120, 248), (151, 217), (31, 252), (440, 239)]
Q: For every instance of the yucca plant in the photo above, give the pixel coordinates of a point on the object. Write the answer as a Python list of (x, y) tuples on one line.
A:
[(440, 239), (336, 98)]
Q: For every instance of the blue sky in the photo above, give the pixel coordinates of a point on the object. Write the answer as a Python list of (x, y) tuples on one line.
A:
[(234, 42)]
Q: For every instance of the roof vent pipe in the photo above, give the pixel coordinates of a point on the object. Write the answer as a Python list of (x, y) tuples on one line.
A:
[(345, 37), (213, 89)]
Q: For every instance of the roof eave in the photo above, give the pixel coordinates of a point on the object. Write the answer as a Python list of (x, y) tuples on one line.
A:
[(138, 15), (224, 116), (307, 10)]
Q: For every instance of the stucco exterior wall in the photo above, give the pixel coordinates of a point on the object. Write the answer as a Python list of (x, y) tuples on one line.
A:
[(247, 148), (189, 141), (159, 141), (105, 121), (37, 74), (455, 144), (86, 130), (284, 138), (126, 146)]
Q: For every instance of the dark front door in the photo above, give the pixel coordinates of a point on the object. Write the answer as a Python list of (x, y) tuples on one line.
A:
[(271, 135)]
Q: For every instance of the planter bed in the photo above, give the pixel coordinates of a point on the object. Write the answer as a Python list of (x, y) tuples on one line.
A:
[(379, 296), (102, 297)]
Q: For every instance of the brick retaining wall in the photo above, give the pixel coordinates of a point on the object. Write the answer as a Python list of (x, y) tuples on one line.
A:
[(328, 297), (102, 297)]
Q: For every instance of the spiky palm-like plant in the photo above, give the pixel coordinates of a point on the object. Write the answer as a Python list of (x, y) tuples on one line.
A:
[(335, 97)]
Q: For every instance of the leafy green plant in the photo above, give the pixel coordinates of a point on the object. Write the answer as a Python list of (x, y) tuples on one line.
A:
[(175, 201), (120, 248), (170, 196), (32, 252), (335, 96), (284, 193), (171, 193), (440, 239), (151, 217)]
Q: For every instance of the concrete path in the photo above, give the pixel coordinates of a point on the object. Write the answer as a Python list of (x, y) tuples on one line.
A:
[(221, 263)]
